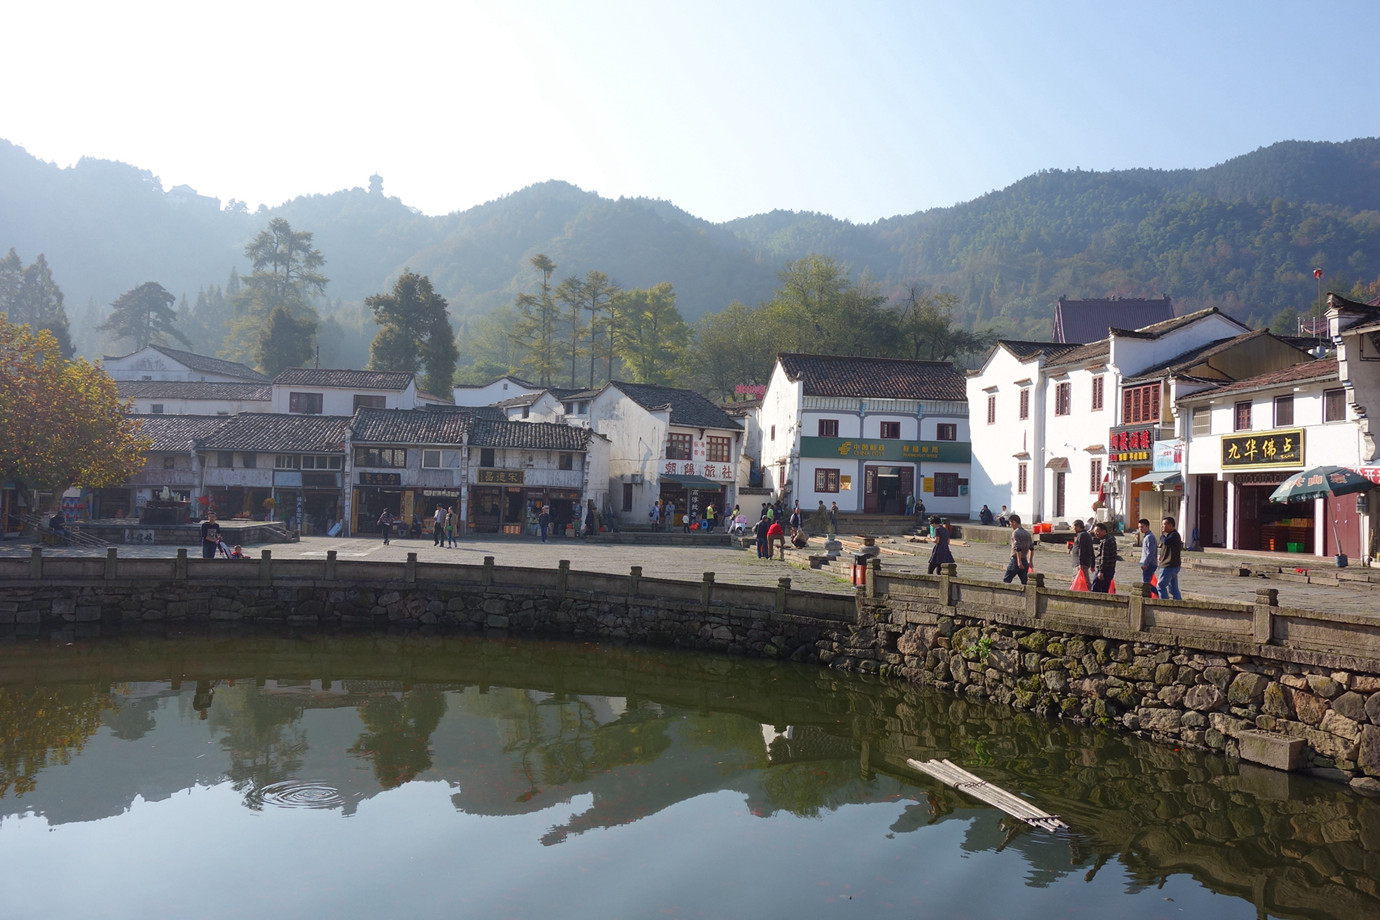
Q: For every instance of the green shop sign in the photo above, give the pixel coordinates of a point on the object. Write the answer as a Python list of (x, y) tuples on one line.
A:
[(901, 451)]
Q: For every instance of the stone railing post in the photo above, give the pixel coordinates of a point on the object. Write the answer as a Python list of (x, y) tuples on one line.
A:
[(266, 567), (947, 573), (410, 569), (1034, 584), (112, 564), (330, 564), (874, 572), (180, 565), (783, 585), (1263, 622), (706, 589), (634, 579), (487, 579), (36, 563), (1135, 606), (562, 576)]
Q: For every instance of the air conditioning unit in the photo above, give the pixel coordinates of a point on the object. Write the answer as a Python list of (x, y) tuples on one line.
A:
[(635, 479)]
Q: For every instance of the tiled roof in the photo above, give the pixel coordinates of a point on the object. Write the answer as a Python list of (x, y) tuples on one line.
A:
[(688, 408), (874, 378), (1155, 330), (1184, 362), (518, 380), (1091, 353), (1320, 369), (492, 412), (193, 389), (208, 365), (1027, 350), (266, 432), (410, 426), (343, 379), (1082, 321), (177, 433), (529, 435)]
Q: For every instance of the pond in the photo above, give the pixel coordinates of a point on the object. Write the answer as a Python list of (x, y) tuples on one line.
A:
[(407, 776)]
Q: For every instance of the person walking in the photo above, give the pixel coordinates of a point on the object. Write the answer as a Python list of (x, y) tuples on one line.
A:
[(1081, 549), (833, 519), (210, 536), (386, 525), (543, 521), (940, 554), (1149, 552), (438, 526), (1104, 555), (669, 516), (709, 517), (760, 531), (1019, 566), (656, 514), (452, 525), (1171, 559)]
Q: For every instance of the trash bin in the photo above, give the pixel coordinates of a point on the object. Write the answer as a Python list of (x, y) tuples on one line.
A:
[(860, 569)]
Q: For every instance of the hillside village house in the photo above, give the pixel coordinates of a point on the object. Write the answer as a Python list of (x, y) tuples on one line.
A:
[(195, 397), (406, 462), (320, 391), (515, 469), (158, 362), (171, 463), (865, 433), (495, 392), (664, 443), (1065, 432)]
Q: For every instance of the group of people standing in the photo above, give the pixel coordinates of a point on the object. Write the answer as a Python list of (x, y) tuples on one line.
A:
[(1095, 556), (444, 523)]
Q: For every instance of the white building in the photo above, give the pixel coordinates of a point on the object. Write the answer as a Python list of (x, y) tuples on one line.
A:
[(319, 391), (493, 393), (865, 433), (158, 362), (194, 397)]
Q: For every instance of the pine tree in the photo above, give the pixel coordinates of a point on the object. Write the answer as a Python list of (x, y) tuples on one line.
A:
[(144, 315), (414, 332)]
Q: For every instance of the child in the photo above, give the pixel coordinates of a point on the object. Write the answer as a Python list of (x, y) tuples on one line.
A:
[(238, 553)]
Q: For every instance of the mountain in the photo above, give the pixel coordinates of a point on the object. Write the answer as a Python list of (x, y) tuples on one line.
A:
[(1244, 235)]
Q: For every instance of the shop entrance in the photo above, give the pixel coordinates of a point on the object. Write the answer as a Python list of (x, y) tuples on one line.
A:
[(1342, 514), (885, 488)]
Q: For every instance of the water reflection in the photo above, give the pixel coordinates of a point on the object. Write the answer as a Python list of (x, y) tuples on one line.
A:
[(594, 738)]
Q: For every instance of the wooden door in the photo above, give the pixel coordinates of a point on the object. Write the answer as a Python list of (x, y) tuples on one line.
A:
[(1248, 499), (1059, 493), (1341, 511), (1205, 516), (869, 490)]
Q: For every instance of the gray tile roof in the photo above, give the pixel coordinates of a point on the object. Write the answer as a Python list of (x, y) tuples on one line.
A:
[(529, 435), (271, 432), (1320, 369), (193, 389), (207, 365), (1082, 321), (343, 379), (688, 408), (177, 433), (1183, 363), (875, 378), (1027, 350), (410, 426)]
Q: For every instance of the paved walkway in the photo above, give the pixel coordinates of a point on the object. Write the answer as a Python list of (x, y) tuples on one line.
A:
[(1206, 575)]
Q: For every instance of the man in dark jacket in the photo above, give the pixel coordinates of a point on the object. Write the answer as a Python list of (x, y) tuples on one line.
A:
[(1082, 552), (1104, 559), (761, 532), (1171, 558)]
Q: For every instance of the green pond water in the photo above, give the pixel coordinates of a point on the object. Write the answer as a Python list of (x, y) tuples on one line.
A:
[(412, 777)]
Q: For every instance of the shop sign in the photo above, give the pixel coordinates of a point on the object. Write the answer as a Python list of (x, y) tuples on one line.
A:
[(721, 471), (501, 477), (1131, 444), (1263, 448), (380, 479), (748, 389), (1169, 455), (888, 449), (1370, 472)]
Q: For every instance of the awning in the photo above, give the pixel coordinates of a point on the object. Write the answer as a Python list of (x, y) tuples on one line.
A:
[(1162, 479), (1060, 464), (691, 482)]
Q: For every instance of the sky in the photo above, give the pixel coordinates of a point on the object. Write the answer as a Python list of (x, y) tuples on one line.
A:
[(861, 109)]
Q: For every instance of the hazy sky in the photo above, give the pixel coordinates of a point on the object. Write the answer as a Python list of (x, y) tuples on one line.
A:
[(861, 109)]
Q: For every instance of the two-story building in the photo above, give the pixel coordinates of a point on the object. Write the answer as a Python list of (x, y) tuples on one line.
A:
[(171, 463), (866, 433), (194, 397), (320, 391), (159, 362), (406, 462), (515, 469)]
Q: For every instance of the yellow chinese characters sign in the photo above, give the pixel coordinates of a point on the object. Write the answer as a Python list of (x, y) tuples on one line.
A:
[(1263, 449)]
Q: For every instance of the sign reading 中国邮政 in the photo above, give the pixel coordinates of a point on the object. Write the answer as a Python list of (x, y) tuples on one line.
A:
[(888, 449), (1263, 449)]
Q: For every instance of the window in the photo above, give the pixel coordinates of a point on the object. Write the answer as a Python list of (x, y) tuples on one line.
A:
[(1063, 398), (773, 432), (991, 410), (393, 457), (526, 411), (322, 463), (287, 462), (368, 402), (305, 403), (1140, 404), (627, 496), (946, 431), (1284, 411), (486, 457), (716, 450), (1098, 384), (1022, 477), (431, 459), (225, 459), (1242, 415), (1095, 476), (679, 447), (251, 461), (169, 463), (946, 485), (828, 428), (891, 430), (1202, 421), (1025, 402), (565, 461), (156, 409), (1334, 405), (826, 480)]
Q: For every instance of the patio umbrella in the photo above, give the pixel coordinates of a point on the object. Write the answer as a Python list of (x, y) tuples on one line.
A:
[(1320, 482)]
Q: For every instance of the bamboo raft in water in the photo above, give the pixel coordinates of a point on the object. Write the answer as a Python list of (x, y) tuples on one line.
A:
[(960, 779)]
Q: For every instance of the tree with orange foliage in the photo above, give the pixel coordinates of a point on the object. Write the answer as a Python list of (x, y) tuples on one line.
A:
[(61, 422)]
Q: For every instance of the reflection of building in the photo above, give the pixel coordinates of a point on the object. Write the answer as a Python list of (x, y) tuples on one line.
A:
[(866, 433)]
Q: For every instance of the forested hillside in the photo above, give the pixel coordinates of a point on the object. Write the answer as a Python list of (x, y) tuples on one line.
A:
[(1244, 235)]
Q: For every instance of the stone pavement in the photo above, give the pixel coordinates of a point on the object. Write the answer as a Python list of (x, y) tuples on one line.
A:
[(1205, 575)]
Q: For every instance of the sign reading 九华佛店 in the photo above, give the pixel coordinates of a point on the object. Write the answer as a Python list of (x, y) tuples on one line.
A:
[(1263, 449)]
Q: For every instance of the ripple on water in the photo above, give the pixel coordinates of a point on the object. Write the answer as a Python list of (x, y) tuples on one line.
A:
[(292, 794)]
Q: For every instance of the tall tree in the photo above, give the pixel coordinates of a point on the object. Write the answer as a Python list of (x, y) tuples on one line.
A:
[(63, 420), (594, 295), (653, 335), (144, 315), (536, 329), (925, 329), (734, 346), (286, 341), (819, 309), (286, 274), (29, 295), (570, 292), (414, 332)]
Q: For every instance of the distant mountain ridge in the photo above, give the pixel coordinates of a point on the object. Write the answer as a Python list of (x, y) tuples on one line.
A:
[(1244, 235)]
